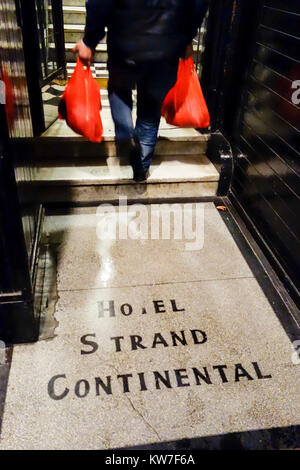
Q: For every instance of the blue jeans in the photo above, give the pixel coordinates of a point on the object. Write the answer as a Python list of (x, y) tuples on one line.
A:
[(153, 81)]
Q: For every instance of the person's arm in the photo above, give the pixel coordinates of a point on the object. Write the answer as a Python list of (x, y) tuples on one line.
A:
[(97, 14), (199, 9)]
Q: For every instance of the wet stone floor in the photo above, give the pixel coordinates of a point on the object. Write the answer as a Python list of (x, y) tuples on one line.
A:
[(151, 343)]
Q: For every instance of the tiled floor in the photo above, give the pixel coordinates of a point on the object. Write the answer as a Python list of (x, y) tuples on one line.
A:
[(51, 95), (154, 342)]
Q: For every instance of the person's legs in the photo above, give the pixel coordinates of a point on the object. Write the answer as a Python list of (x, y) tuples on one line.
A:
[(122, 79), (121, 110), (155, 81), (147, 123), (120, 86)]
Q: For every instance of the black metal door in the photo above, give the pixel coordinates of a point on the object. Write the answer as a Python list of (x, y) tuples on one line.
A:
[(267, 135), (51, 39), (251, 80), (17, 319)]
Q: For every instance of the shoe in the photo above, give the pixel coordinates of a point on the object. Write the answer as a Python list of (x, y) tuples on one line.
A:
[(143, 174), (131, 149), (140, 176), (124, 149)]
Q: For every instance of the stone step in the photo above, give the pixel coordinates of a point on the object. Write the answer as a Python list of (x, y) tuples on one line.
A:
[(81, 194), (74, 14), (164, 169), (59, 141), (101, 52), (171, 177), (74, 3), (72, 149), (99, 69), (100, 55), (74, 32)]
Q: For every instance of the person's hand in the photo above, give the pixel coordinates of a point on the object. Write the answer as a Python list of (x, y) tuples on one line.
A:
[(85, 54), (189, 51)]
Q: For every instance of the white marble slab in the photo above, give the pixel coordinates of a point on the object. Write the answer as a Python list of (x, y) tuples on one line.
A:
[(238, 331), (226, 330)]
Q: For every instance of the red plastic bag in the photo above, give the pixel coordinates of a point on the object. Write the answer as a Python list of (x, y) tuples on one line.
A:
[(9, 97), (80, 104), (184, 105)]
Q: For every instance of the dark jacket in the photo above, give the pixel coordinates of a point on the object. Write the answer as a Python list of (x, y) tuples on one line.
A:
[(142, 30)]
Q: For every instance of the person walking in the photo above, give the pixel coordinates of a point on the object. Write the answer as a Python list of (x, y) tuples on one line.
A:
[(145, 40)]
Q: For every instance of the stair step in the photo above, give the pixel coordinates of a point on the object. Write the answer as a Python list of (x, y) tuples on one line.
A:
[(69, 150), (74, 149), (147, 193), (164, 169), (74, 32), (99, 69), (74, 8), (100, 55), (101, 47), (74, 14), (60, 141), (60, 128), (172, 177), (101, 52), (74, 3)]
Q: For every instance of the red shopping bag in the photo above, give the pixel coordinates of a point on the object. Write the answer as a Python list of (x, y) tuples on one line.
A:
[(80, 104), (9, 99), (184, 105)]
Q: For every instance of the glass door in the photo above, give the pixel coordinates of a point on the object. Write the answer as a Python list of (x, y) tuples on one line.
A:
[(51, 39), (52, 51), (45, 61)]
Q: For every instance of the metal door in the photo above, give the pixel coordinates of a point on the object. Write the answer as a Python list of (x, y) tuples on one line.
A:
[(17, 319)]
